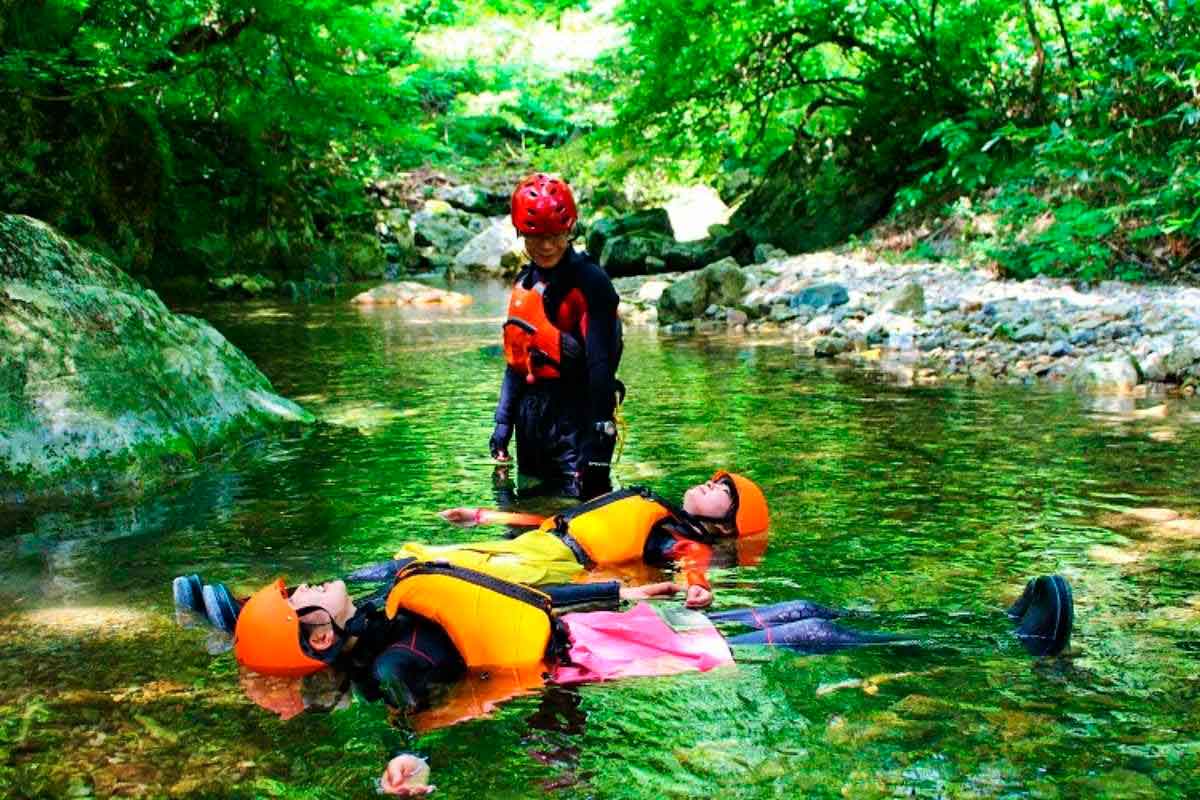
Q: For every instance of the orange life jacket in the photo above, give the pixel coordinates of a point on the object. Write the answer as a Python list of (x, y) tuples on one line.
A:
[(611, 529), (532, 343), (492, 622)]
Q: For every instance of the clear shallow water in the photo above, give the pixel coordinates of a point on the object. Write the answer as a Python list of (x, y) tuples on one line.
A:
[(887, 499)]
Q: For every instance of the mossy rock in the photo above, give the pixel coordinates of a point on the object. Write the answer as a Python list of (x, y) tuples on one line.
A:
[(363, 256), (103, 387), (241, 285)]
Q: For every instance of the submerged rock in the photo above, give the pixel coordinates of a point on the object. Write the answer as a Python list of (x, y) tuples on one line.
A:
[(101, 385)]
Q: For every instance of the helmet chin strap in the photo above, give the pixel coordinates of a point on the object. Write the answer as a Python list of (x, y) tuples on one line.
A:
[(340, 636)]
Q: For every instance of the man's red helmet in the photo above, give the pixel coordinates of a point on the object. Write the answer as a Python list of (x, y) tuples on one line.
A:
[(543, 205)]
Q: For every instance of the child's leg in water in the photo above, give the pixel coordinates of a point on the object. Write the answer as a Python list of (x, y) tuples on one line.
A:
[(815, 635), (779, 613), (1044, 617)]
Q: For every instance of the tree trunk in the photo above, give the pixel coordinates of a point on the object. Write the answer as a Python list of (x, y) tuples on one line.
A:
[(1062, 28), (1039, 64)]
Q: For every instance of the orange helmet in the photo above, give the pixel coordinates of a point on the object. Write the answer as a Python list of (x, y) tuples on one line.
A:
[(749, 503), (267, 638)]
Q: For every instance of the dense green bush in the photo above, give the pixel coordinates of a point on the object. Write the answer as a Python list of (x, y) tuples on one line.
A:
[(1072, 125), (189, 137)]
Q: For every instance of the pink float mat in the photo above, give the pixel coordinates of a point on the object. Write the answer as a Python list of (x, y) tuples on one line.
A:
[(637, 643)]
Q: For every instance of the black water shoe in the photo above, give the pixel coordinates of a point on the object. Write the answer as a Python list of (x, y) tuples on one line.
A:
[(187, 590), (220, 607), (1044, 615)]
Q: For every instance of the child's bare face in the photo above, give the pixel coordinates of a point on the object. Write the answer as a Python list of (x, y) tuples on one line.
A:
[(711, 500), (331, 596)]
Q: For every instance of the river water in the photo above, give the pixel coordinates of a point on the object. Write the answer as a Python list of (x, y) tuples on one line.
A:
[(928, 507)]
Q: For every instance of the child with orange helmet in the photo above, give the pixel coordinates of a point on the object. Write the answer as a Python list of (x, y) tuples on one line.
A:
[(623, 528), (441, 624), (628, 526)]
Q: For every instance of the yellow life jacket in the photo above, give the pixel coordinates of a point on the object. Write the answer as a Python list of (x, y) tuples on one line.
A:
[(492, 622), (612, 528)]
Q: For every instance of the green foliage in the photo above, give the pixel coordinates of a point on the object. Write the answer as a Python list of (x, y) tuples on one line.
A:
[(192, 137), (1074, 122)]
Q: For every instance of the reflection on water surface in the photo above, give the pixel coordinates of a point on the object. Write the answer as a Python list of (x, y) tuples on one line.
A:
[(888, 499)]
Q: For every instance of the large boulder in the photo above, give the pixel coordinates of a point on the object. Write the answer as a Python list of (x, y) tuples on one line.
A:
[(726, 282), (1183, 359), (725, 242), (1106, 373), (805, 204), (473, 199), (684, 299), (444, 228), (907, 298), (639, 253), (722, 284), (820, 296), (101, 386), (649, 221), (498, 251), (648, 253)]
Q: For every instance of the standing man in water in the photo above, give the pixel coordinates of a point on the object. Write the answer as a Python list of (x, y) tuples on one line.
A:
[(562, 345)]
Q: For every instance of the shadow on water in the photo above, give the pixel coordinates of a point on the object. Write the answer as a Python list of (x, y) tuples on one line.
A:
[(885, 499)]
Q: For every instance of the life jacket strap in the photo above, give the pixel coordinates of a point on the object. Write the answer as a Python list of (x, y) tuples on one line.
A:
[(560, 530), (516, 591), (602, 501)]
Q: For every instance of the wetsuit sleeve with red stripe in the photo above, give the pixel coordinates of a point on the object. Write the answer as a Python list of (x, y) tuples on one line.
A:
[(692, 559), (417, 655)]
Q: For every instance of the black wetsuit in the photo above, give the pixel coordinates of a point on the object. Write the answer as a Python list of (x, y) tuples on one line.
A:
[(555, 420), (401, 660)]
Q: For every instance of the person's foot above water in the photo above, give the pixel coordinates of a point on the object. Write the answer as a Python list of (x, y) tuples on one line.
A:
[(220, 607), (1044, 615), (187, 591)]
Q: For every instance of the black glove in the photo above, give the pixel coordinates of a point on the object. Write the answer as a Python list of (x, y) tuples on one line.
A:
[(570, 350), (498, 444)]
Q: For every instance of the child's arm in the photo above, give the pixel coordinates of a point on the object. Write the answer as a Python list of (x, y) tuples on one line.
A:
[(490, 516)]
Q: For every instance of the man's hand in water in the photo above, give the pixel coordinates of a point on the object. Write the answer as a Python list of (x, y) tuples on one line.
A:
[(406, 775), (664, 589), (698, 596), (498, 444)]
